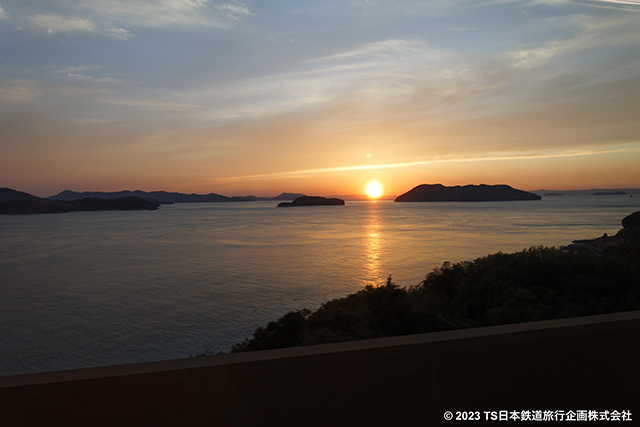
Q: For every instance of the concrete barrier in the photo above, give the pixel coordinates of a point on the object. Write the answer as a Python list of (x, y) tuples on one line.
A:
[(580, 364)]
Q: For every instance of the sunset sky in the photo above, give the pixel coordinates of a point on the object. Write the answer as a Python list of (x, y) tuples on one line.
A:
[(318, 97)]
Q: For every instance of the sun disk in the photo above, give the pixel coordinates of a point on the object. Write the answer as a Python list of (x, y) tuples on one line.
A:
[(373, 189)]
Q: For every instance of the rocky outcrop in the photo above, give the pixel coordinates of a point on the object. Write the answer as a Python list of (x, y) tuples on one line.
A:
[(311, 201), (630, 229), (630, 226), (466, 193)]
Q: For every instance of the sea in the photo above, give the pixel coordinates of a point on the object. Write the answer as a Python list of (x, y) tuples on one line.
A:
[(88, 289)]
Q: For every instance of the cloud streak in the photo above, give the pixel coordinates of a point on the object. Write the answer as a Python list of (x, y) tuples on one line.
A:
[(116, 18), (551, 154), (636, 3), (79, 76), (376, 48), (18, 91), (3, 14)]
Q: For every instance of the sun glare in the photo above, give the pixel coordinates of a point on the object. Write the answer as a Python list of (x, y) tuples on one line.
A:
[(373, 189)]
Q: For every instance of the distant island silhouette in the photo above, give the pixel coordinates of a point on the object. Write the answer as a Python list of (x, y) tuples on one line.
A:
[(587, 192), (466, 193), (164, 197), (610, 193), (311, 201), (13, 202)]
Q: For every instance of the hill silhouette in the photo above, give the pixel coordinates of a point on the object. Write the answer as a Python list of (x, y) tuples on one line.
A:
[(165, 197), (13, 202), (157, 196), (8, 195)]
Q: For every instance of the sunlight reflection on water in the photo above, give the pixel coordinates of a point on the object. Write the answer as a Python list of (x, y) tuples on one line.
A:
[(374, 246)]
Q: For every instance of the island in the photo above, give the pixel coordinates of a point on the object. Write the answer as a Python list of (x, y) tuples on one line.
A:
[(589, 192), (13, 202), (312, 201), (466, 193), (610, 193), (164, 197)]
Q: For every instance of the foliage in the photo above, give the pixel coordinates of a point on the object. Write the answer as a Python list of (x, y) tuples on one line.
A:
[(535, 284)]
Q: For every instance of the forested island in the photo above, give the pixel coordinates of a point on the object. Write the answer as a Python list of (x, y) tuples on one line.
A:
[(589, 277), (465, 193), (13, 202)]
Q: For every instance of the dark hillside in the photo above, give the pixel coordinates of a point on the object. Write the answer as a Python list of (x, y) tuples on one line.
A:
[(158, 196), (14, 202), (9, 195)]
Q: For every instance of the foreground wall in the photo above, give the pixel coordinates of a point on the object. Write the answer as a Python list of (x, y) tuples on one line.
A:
[(588, 363)]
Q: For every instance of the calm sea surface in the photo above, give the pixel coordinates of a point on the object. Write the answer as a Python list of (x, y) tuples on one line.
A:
[(89, 289)]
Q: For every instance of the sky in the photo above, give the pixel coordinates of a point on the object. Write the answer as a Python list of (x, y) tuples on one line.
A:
[(318, 97)]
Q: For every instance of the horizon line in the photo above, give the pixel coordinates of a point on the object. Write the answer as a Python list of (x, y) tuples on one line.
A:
[(347, 196)]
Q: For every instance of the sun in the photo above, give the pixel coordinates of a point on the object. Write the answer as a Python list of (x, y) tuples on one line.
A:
[(373, 189)]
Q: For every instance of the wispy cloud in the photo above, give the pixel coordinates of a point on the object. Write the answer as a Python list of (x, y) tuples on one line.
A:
[(54, 22), (116, 18), (94, 96), (152, 103), (94, 79), (118, 33), (3, 14), (381, 47), (621, 1), (74, 69), (531, 58), (604, 4), (164, 13), (18, 90)]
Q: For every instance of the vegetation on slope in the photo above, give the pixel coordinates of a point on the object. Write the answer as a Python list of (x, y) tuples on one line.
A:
[(538, 283)]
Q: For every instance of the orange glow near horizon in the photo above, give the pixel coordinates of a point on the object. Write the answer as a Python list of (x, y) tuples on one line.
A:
[(373, 189)]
